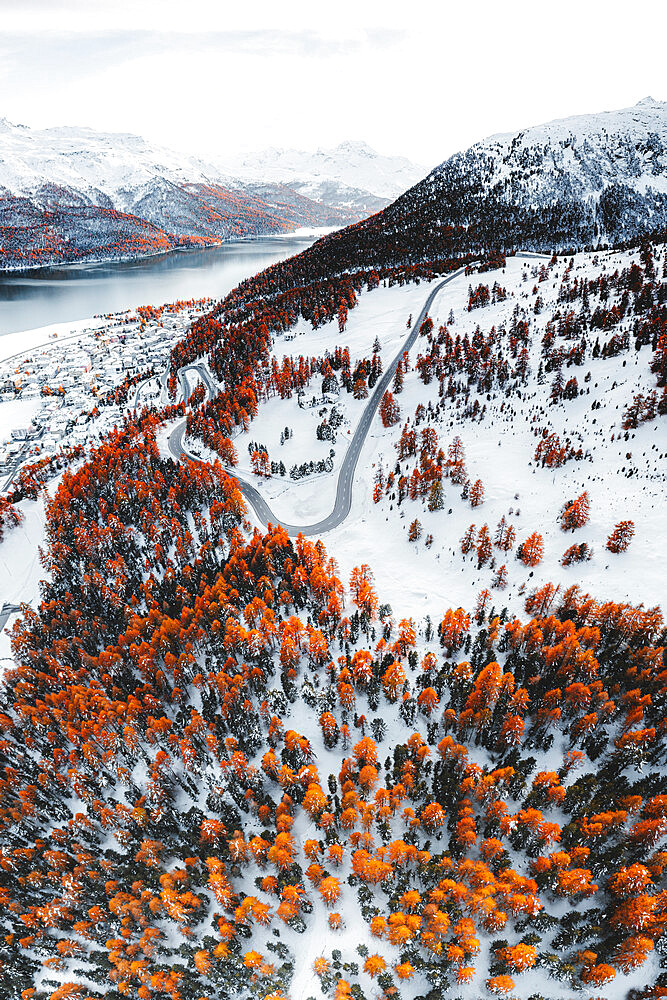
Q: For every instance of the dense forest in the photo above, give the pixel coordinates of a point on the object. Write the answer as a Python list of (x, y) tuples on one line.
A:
[(206, 739)]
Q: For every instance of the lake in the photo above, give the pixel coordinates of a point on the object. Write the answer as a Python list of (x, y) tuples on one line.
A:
[(30, 299)]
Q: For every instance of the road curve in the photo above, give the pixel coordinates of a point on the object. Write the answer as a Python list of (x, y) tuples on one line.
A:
[(343, 501)]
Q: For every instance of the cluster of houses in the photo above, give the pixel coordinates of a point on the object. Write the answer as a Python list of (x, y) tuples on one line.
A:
[(70, 375)]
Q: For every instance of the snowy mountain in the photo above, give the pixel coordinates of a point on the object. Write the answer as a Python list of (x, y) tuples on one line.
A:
[(351, 175), (78, 176), (107, 169), (570, 182), (62, 189), (581, 156)]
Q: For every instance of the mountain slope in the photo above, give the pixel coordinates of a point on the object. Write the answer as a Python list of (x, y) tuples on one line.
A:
[(58, 176), (114, 165), (74, 194), (574, 183), (586, 153)]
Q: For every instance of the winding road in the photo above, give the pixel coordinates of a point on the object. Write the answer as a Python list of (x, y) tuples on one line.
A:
[(343, 501), (6, 611)]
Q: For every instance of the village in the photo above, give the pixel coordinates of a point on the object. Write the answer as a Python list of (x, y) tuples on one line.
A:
[(62, 392)]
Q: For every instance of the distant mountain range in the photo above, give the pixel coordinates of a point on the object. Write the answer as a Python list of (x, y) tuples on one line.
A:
[(352, 176), (75, 194)]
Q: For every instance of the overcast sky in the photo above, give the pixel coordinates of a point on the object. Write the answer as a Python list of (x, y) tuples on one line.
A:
[(418, 78)]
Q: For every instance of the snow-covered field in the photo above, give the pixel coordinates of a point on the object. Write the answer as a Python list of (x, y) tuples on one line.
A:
[(382, 314), (499, 450), (25, 340)]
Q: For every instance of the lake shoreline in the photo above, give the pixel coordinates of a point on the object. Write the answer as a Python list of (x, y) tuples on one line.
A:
[(93, 261), (48, 297), (28, 271)]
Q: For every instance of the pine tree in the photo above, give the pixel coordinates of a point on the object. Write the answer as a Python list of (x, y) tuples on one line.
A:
[(390, 412), (415, 531), (435, 497), (575, 513), (621, 536), (531, 551), (505, 535), (360, 389), (477, 493), (484, 547), (469, 540), (557, 387)]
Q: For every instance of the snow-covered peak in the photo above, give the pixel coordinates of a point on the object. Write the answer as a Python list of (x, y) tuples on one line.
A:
[(90, 162), (7, 127), (570, 159), (647, 114), (356, 147), (352, 164)]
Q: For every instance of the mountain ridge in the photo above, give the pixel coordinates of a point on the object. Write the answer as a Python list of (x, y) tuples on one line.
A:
[(336, 175), (595, 180), (49, 176), (630, 143)]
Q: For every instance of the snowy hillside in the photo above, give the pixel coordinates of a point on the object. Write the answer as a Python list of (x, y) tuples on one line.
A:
[(582, 155), (501, 416), (351, 174), (519, 470), (596, 180), (443, 779), (576, 181)]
